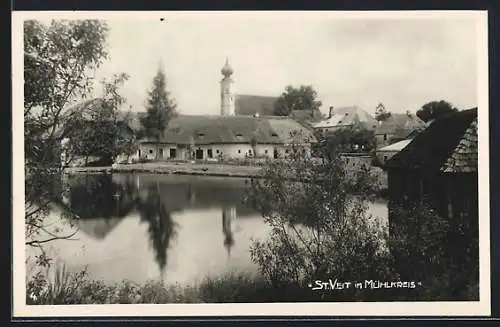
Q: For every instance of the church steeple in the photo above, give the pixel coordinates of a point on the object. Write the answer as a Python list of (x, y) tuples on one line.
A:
[(227, 95), (227, 70)]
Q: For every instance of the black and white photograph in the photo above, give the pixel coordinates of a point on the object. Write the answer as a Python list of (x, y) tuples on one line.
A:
[(250, 163)]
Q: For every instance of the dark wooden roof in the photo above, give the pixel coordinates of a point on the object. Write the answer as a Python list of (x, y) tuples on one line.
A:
[(432, 148)]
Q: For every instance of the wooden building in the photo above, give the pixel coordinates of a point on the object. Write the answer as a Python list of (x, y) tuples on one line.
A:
[(439, 166)]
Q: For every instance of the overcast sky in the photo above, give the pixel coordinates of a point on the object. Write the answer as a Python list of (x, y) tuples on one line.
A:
[(402, 63)]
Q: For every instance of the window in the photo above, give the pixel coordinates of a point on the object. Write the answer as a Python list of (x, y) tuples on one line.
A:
[(274, 134), (160, 152), (385, 158), (239, 135), (210, 153), (265, 151), (249, 151), (385, 137), (150, 151), (239, 151), (286, 151), (217, 151)]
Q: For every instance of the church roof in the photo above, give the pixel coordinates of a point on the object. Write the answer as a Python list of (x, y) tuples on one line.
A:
[(252, 104)]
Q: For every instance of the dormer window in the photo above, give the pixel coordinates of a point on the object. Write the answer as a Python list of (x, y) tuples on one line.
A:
[(201, 134), (239, 135), (274, 134)]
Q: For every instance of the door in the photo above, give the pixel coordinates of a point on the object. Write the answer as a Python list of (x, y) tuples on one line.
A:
[(210, 153), (160, 153), (199, 154), (173, 153)]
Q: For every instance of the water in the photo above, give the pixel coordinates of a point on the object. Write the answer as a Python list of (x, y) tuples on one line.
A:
[(177, 228)]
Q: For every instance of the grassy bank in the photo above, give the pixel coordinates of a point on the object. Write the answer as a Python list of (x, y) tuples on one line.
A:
[(78, 288)]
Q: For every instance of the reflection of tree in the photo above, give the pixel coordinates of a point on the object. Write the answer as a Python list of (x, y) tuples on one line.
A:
[(99, 202), (96, 196), (228, 216), (161, 227)]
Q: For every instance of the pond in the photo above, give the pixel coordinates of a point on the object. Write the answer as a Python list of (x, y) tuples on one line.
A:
[(178, 228)]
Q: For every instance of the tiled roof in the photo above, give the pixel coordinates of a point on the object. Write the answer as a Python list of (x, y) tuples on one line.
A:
[(348, 116), (432, 148), (396, 122), (252, 104), (464, 157), (206, 129)]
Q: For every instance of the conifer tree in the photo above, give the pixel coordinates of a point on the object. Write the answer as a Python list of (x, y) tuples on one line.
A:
[(161, 108)]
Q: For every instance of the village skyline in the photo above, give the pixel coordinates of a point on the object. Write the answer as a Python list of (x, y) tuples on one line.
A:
[(360, 62)]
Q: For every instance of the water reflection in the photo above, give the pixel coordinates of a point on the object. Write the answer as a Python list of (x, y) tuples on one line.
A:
[(228, 217), (161, 227), (135, 226), (102, 201)]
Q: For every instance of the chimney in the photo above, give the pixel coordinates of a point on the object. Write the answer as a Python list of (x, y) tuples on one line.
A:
[(330, 113)]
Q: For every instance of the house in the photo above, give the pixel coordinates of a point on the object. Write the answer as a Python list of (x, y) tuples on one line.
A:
[(397, 127), (239, 131), (346, 117), (385, 153), (439, 165), (213, 137)]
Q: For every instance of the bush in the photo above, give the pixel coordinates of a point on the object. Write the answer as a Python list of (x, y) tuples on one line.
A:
[(319, 229), (440, 253)]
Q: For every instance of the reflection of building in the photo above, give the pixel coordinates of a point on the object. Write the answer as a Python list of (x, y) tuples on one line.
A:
[(228, 221)]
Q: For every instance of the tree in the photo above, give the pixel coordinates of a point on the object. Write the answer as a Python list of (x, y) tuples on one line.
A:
[(347, 139), (160, 108), (434, 110), (318, 229), (303, 98), (58, 59), (100, 129), (381, 113)]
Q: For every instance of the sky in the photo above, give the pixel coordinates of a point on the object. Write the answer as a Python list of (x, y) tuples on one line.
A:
[(402, 63)]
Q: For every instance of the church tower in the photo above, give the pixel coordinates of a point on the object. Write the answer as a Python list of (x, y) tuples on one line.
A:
[(227, 107)]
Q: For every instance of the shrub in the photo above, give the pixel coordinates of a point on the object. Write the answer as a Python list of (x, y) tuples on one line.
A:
[(320, 228)]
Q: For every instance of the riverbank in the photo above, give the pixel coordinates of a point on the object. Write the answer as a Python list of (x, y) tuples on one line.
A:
[(209, 169)]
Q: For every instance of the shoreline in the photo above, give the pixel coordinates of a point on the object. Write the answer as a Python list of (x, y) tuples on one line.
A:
[(216, 170)]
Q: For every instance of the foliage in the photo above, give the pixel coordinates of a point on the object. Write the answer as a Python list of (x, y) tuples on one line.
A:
[(319, 228), (381, 113), (302, 98), (160, 107), (435, 109), (442, 254), (100, 130), (59, 58), (349, 139)]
